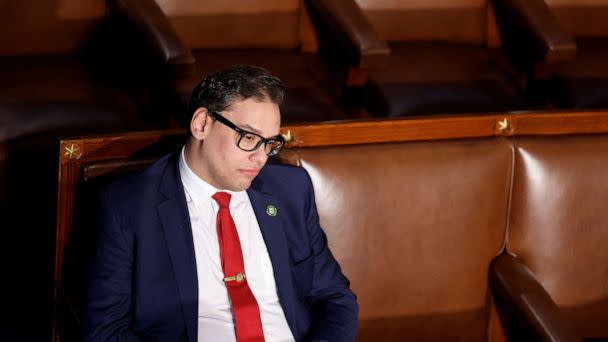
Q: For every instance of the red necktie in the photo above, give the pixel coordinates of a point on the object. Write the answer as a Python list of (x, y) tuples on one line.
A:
[(244, 306)]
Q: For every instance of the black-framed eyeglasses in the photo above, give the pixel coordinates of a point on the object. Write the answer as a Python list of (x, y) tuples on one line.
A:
[(249, 141)]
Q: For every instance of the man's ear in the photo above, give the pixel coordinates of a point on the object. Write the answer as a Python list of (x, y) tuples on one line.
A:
[(199, 125)]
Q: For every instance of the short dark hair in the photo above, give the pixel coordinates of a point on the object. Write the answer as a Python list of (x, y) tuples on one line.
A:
[(218, 90)]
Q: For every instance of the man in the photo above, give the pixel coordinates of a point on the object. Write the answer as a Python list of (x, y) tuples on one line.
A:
[(212, 244)]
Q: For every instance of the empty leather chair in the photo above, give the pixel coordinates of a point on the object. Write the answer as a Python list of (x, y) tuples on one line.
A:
[(417, 57), (555, 277), (184, 41), (576, 74)]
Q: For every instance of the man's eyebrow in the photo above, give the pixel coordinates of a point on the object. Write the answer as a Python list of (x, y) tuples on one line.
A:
[(257, 131), (252, 129)]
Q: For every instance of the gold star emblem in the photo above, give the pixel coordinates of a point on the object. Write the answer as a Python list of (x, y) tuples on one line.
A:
[(288, 136), (503, 125), (72, 151)]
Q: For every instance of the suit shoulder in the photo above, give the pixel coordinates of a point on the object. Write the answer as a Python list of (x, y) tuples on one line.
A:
[(136, 186), (285, 170), (289, 181), (285, 173)]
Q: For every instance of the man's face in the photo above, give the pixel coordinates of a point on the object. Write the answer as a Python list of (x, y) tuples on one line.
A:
[(223, 164)]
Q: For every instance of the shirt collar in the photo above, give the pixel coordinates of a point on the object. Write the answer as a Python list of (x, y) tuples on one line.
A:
[(199, 190)]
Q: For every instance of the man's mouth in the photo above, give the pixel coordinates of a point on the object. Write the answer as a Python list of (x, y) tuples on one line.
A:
[(250, 172)]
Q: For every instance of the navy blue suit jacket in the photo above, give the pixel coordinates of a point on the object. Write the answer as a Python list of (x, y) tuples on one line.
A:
[(142, 277)]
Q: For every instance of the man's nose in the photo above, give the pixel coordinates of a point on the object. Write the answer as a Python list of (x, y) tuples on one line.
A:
[(259, 156)]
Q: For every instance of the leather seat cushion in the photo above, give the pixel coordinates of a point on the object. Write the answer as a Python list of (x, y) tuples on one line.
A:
[(423, 78), (558, 226), (583, 82), (416, 248)]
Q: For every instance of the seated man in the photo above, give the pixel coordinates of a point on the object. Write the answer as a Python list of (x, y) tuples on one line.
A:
[(209, 244)]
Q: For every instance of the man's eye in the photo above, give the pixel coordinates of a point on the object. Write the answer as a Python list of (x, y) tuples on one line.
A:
[(249, 137)]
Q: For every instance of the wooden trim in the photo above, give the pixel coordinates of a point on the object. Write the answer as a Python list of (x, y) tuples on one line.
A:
[(103, 147), (380, 131), (361, 132), (561, 123), (68, 178), (447, 127)]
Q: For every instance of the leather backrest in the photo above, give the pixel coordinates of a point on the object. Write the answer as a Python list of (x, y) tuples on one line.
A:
[(460, 21), (49, 27), (582, 18), (31, 27), (235, 23), (558, 224), (414, 227)]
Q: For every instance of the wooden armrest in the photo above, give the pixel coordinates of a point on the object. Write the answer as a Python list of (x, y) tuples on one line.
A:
[(149, 19), (348, 24), (520, 294), (529, 28)]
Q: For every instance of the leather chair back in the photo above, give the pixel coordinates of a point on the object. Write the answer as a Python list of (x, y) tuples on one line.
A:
[(32, 27), (235, 23), (461, 21), (414, 227), (558, 225)]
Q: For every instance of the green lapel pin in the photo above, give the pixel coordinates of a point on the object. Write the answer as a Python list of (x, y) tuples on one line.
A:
[(271, 210)]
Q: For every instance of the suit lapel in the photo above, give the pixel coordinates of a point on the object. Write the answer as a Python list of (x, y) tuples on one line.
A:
[(273, 232), (178, 234)]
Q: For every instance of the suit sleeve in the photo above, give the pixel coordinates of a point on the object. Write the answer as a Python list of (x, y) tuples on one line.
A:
[(107, 305), (335, 308)]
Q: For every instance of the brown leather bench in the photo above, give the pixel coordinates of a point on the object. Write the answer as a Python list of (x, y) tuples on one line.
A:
[(573, 72), (454, 228), (557, 235), (418, 57), (184, 41)]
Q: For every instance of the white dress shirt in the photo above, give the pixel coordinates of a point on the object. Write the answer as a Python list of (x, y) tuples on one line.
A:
[(215, 319)]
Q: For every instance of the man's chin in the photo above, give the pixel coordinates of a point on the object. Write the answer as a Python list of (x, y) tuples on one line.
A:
[(241, 186)]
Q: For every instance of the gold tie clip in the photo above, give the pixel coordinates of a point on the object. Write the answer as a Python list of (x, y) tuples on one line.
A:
[(239, 277)]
